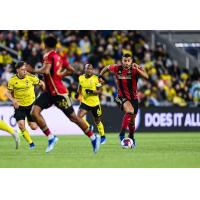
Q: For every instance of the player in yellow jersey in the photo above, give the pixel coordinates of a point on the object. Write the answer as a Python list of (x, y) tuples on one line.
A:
[(5, 127), (21, 93), (90, 89)]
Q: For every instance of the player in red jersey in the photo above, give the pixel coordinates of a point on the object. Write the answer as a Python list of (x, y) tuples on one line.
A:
[(54, 68), (127, 75)]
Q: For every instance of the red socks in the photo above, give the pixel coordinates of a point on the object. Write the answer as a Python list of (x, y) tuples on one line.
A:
[(126, 120), (46, 131), (131, 129)]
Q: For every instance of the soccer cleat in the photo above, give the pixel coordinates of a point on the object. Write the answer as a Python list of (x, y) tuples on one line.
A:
[(96, 144), (32, 146), (121, 137), (103, 139), (134, 141), (17, 139), (51, 144)]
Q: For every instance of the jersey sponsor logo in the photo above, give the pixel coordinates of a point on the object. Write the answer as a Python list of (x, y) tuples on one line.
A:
[(124, 77)]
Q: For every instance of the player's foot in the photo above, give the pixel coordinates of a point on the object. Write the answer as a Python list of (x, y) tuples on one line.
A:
[(96, 144), (31, 146), (134, 143), (17, 139), (51, 144), (103, 139), (121, 136)]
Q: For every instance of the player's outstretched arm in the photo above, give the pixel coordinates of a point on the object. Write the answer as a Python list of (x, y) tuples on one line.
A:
[(45, 69), (103, 71), (66, 72), (8, 93), (141, 72)]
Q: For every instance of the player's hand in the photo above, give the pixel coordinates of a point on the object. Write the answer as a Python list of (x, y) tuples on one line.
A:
[(42, 85), (88, 91), (15, 104)]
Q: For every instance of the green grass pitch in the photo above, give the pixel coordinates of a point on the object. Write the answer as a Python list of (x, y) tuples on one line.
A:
[(153, 150)]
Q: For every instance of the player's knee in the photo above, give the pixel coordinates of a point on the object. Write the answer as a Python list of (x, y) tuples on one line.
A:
[(35, 113), (73, 119)]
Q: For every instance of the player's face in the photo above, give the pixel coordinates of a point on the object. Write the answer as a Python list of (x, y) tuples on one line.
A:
[(22, 71), (89, 70), (127, 61)]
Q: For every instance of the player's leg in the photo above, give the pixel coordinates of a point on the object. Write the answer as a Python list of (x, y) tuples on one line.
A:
[(97, 113), (131, 125), (64, 103), (5, 127), (126, 106), (25, 133), (95, 140), (83, 110), (31, 122), (20, 115), (129, 112), (43, 102)]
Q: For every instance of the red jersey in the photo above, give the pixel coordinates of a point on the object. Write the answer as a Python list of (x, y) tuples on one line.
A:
[(53, 80), (126, 81)]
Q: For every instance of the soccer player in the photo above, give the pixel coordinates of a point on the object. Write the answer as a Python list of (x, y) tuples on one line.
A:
[(90, 88), (5, 127), (127, 75), (54, 68), (21, 93)]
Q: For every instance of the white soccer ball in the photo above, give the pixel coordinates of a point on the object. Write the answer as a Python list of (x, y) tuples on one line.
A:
[(127, 143)]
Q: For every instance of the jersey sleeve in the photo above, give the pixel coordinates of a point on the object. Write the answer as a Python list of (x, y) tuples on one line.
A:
[(47, 59), (65, 63), (10, 85), (112, 68), (34, 79)]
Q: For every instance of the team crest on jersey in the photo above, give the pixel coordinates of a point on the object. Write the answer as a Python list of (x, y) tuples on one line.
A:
[(129, 71)]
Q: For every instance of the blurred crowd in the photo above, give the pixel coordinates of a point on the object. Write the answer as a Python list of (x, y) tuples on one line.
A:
[(169, 84)]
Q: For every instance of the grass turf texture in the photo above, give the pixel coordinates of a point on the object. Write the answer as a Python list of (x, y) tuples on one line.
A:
[(153, 150)]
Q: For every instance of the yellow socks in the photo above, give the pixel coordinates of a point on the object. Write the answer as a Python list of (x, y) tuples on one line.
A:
[(27, 136), (6, 127), (100, 128)]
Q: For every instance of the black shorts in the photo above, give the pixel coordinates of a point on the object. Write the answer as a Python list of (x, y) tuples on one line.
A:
[(22, 112), (63, 102), (96, 110), (121, 100)]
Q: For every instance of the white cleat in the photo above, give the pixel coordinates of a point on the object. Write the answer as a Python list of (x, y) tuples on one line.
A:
[(51, 144)]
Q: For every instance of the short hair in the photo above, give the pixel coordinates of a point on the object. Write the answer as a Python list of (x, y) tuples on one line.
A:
[(50, 41), (127, 55), (19, 64), (88, 65)]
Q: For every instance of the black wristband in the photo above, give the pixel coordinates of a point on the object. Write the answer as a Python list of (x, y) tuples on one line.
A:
[(88, 91)]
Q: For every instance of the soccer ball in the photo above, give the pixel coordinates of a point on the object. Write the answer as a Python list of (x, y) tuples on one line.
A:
[(127, 143)]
